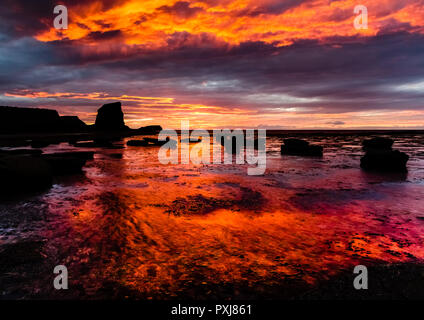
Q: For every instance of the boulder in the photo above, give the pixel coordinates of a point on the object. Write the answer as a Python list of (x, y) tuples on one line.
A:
[(85, 155), (190, 140), (155, 142), (64, 164), (33, 152), (385, 160), (300, 147), (40, 144), (378, 144), (379, 156), (110, 118), (24, 174), (150, 130), (45, 142), (137, 143), (116, 155)]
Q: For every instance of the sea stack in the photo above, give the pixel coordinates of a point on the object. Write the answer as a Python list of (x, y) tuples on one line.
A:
[(110, 118)]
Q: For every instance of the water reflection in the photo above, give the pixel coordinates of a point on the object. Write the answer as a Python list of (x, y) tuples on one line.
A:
[(131, 226)]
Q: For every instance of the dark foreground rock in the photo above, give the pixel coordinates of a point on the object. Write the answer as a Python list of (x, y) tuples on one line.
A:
[(32, 152), (151, 130), (42, 143), (385, 282), (379, 156), (21, 173), (152, 142), (64, 164), (298, 147), (137, 143), (24, 174), (85, 155), (390, 161), (95, 144), (378, 143), (110, 118)]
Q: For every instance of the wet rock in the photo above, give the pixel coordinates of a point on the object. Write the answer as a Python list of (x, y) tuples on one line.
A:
[(155, 129), (137, 143), (378, 143), (14, 255), (10, 142), (116, 155), (64, 164), (24, 173), (110, 118), (156, 142), (45, 142), (96, 144), (40, 143), (190, 140), (33, 152), (390, 161), (379, 156), (300, 147), (85, 155)]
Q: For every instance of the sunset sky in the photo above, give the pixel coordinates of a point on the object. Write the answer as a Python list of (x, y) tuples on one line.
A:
[(219, 63)]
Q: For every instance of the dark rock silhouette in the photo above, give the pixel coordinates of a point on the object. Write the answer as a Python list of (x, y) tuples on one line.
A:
[(106, 144), (19, 120), (85, 155), (157, 143), (32, 152), (24, 174), (72, 124), (30, 170), (189, 140), (300, 147), (154, 129), (24, 120), (64, 164), (110, 118), (378, 143), (137, 143), (379, 156)]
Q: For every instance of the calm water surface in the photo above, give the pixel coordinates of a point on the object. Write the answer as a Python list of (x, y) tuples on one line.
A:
[(133, 227)]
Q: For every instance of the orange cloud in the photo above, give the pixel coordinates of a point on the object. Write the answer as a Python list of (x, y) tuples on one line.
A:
[(152, 24)]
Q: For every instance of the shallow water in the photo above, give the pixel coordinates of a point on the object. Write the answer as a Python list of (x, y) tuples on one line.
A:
[(133, 227)]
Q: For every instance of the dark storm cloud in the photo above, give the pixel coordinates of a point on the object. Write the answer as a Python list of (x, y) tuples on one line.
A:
[(181, 9), (29, 17), (272, 7), (348, 74), (344, 77), (108, 35)]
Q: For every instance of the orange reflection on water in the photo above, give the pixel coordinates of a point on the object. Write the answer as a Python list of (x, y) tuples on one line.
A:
[(164, 231)]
